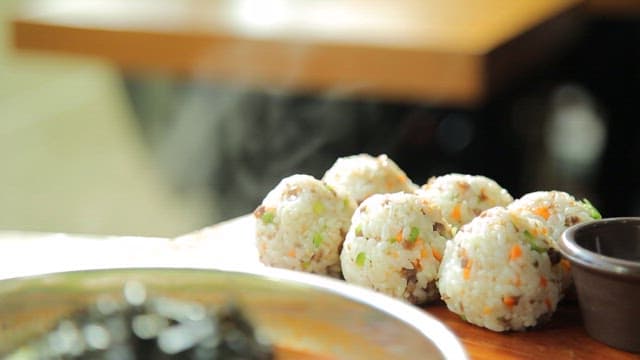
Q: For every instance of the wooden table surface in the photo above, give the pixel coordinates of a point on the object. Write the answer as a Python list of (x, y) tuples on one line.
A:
[(563, 337), (443, 52), (231, 245)]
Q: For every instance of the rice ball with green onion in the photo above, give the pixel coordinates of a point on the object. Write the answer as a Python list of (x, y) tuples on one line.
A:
[(394, 246), (558, 211), (301, 225), (497, 272), (463, 197), (363, 175)]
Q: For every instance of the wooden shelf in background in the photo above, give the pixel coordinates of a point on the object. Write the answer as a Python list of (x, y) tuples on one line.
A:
[(441, 52)]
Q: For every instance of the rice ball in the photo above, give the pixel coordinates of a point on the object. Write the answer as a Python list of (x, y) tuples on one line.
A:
[(558, 211), (301, 225), (497, 273), (394, 246), (363, 175), (463, 197)]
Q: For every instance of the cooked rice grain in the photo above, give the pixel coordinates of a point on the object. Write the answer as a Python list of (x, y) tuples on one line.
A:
[(301, 225)]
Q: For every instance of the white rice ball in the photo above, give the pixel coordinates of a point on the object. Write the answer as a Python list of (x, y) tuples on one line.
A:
[(301, 225), (363, 175), (463, 197), (496, 272), (394, 246), (558, 211)]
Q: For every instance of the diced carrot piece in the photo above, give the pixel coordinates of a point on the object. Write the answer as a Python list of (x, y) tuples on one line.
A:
[(456, 214), (390, 183), (566, 265), (543, 212), (487, 310), (436, 254), (517, 281), (516, 252), (399, 236), (543, 282), (510, 301), (291, 253), (466, 273), (423, 253)]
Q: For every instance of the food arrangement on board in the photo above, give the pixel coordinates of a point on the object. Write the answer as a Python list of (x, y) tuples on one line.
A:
[(460, 238)]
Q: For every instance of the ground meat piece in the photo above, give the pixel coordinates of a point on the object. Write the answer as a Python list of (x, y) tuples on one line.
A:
[(259, 211), (482, 196), (412, 281), (291, 193), (571, 220), (439, 227), (554, 256), (463, 185)]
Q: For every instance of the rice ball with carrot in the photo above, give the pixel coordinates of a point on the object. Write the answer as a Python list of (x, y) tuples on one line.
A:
[(360, 176), (558, 211), (463, 197), (497, 273), (301, 225), (395, 245)]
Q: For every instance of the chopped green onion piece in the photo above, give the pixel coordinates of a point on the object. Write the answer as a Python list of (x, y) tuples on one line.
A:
[(317, 239), (359, 230), (528, 235), (413, 235), (318, 208), (360, 258), (595, 214), (531, 241), (268, 216), (536, 248)]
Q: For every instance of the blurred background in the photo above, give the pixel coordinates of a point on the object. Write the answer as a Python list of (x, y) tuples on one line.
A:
[(73, 158), (93, 142)]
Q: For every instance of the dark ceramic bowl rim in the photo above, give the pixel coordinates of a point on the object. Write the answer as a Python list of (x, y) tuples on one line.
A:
[(569, 248)]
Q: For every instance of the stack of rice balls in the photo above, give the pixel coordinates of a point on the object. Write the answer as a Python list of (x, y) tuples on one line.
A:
[(459, 238)]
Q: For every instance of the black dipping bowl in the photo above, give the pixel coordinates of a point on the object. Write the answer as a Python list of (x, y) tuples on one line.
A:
[(605, 257)]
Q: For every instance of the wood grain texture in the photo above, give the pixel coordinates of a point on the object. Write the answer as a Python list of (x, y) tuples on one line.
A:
[(426, 50), (563, 337)]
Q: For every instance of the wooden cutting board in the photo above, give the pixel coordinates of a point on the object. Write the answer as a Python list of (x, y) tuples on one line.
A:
[(564, 337)]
